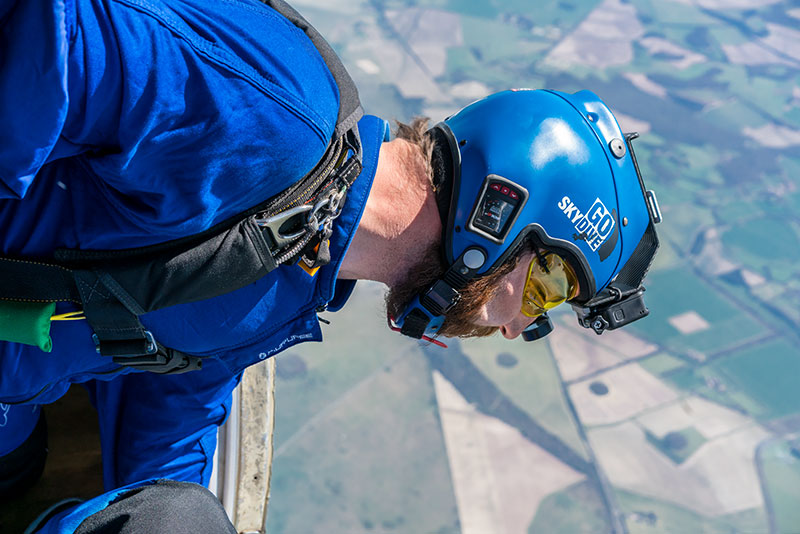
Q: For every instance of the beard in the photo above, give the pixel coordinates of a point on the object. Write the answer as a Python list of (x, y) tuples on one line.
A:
[(460, 321)]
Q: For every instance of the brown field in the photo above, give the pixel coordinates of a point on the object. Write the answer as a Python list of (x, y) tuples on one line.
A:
[(499, 477), (580, 352), (719, 478), (710, 419), (631, 390)]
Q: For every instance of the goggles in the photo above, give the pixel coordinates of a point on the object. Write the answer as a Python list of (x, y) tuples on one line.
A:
[(551, 281)]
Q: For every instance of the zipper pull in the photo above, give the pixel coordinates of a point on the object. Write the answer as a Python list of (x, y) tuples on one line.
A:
[(320, 309)]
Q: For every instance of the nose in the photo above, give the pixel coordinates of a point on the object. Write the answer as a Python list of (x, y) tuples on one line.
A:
[(508, 333), (514, 328)]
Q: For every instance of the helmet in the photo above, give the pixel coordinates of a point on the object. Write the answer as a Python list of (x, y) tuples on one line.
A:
[(553, 169)]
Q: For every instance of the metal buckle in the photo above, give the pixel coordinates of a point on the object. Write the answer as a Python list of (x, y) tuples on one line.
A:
[(652, 205), (274, 223), (317, 220)]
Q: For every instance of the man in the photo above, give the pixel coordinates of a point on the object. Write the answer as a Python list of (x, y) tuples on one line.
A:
[(132, 123)]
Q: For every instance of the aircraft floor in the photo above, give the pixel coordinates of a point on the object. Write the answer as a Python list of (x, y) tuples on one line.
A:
[(73, 466)]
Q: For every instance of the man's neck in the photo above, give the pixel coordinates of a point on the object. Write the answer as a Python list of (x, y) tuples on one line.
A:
[(400, 221)]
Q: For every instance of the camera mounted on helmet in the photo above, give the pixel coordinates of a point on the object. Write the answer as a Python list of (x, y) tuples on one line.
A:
[(552, 172)]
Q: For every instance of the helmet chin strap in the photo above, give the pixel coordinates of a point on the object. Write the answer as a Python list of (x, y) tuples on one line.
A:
[(427, 311), (390, 320)]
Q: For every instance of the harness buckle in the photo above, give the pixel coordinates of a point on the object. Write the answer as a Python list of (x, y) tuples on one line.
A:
[(157, 358), (440, 298), (275, 223), (126, 348), (294, 233), (329, 206)]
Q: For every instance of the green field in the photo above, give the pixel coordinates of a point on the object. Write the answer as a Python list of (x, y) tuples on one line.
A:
[(678, 445), (575, 510), (533, 383), (374, 460), (768, 374), (492, 39), (782, 472), (677, 291), (737, 210), (645, 515), (759, 242), (681, 222), (735, 114), (761, 381), (661, 363), (696, 380), (777, 304), (674, 14), (540, 14), (790, 167)]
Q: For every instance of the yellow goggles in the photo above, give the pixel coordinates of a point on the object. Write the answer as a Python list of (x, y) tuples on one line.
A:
[(548, 285)]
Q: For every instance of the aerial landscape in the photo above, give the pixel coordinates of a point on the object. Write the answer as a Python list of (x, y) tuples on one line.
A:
[(685, 422)]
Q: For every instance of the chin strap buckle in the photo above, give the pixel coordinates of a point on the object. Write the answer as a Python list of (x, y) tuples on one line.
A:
[(440, 298)]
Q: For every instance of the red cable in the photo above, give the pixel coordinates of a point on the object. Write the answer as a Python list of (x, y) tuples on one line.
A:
[(393, 328)]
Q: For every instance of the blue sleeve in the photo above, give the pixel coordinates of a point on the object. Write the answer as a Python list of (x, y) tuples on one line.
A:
[(34, 45), (181, 113), (156, 426), (61, 91)]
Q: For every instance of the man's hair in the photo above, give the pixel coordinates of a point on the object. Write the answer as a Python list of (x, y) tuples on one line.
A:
[(459, 321), (417, 134)]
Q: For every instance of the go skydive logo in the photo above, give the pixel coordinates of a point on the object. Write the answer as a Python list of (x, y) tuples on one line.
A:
[(593, 226)]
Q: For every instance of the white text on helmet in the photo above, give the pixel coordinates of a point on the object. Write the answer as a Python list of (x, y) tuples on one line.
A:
[(593, 226)]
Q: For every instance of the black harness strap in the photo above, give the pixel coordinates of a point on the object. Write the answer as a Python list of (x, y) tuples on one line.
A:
[(33, 281), (115, 287), (118, 332)]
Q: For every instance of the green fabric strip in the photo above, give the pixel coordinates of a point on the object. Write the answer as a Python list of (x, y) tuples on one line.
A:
[(27, 322)]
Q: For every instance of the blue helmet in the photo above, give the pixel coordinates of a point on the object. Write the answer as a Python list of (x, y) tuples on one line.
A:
[(553, 169)]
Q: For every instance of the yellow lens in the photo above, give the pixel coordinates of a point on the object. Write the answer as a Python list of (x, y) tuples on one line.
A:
[(546, 288)]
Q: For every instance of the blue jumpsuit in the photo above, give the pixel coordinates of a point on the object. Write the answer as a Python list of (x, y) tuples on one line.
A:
[(131, 122)]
